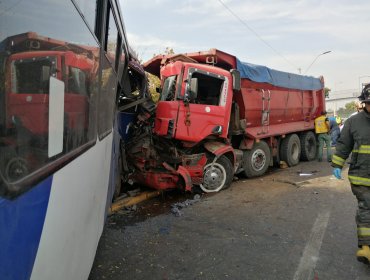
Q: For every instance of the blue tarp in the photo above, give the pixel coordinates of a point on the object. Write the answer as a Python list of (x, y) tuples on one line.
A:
[(263, 74)]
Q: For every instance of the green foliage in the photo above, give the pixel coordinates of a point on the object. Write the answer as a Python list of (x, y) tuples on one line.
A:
[(351, 106), (153, 83), (167, 51), (348, 109), (327, 91)]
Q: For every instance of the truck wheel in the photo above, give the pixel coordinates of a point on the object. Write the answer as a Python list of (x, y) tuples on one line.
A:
[(16, 169), (290, 150), (217, 175), (257, 160), (308, 146)]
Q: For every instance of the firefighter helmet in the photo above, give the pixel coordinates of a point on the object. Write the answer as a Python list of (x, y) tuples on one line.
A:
[(365, 94)]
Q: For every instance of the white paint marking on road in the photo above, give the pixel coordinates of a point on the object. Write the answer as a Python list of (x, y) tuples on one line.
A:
[(311, 251)]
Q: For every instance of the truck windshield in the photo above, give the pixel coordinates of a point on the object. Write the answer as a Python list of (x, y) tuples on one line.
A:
[(32, 75), (76, 81), (169, 88)]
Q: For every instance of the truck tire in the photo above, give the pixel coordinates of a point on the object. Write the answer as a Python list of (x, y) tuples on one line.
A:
[(308, 146), (12, 166), (257, 160), (290, 149), (16, 169), (217, 175)]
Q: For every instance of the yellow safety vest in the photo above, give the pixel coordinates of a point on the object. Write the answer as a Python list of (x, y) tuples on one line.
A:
[(320, 125)]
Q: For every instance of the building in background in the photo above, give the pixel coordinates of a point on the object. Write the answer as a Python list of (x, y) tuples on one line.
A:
[(338, 99)]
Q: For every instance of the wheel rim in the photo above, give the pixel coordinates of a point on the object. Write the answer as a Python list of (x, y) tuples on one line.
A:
[(258, 159), (295, 151), (16, 169), (214, 177)]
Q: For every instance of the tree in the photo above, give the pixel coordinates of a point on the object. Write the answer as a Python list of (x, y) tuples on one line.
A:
[(154, 82), (167, 51), (327, 91), (348, 109)]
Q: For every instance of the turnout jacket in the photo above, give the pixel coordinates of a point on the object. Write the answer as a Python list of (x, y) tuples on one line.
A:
[(355, 139)]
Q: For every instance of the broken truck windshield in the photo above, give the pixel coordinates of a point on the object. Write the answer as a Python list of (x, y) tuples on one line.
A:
[(169, 88), (32, 75)]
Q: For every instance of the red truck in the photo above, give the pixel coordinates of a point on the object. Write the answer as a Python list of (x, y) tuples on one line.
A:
[(218, 116)]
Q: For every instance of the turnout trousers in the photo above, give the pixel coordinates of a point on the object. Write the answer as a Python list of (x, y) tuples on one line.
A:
[(362, 194)]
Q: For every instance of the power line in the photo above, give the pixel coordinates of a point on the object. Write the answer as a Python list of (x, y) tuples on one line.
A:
[(255, 33)]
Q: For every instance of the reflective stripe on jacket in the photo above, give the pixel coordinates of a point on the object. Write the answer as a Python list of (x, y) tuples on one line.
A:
[(355, 139)]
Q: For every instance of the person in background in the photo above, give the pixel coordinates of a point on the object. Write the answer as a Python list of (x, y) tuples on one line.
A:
[(334, 130), (338, 120), (359, 108), (355, 139), (341, 125), (322, 129)]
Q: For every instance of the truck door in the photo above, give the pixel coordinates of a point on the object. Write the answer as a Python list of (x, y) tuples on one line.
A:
[(28, 92), (207, 111)]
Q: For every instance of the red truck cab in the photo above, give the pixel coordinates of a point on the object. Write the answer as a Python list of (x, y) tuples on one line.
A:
[(195, 103), (32, 91)]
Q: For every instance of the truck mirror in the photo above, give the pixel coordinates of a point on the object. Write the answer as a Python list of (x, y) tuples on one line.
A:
[(236, 79), (193, 93)]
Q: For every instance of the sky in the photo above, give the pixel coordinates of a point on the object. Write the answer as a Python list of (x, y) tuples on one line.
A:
[(286, 35)]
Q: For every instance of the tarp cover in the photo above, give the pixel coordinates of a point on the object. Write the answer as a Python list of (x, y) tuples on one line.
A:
[(263, 74)]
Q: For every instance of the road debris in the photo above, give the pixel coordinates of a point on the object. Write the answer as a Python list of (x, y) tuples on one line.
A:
[(299, 184), (130, 201), (175, 208), (305, 174)]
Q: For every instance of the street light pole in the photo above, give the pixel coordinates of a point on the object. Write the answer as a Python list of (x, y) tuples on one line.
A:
[(359, 82), (316, 59)]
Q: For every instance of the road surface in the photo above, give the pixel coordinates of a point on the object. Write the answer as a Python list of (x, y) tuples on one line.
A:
[(293, 223)]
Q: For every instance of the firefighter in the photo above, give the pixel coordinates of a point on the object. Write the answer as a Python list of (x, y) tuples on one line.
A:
[(355, 139), (322, 129)]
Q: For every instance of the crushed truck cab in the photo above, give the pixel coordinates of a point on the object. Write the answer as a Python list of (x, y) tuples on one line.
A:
[(218, 116)]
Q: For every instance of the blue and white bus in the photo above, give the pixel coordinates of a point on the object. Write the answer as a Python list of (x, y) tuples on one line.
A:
[(63, 65)]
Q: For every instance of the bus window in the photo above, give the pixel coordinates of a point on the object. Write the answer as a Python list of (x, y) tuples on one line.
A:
[(112, 39), (107, 97), (108, 86), (45, 124), (88, 9), (32, 75), (77, 81)]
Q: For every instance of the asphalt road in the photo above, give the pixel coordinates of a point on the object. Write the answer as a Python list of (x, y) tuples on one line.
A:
[(287, 224)]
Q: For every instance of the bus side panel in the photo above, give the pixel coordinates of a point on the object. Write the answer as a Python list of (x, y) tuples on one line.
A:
[(21, 223), (75, 216)]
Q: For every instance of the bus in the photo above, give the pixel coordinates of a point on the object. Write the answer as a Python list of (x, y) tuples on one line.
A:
[(64, 71)]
